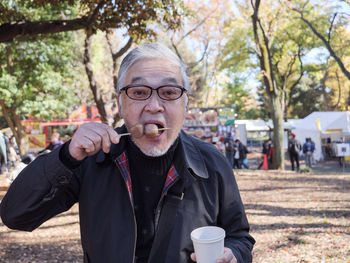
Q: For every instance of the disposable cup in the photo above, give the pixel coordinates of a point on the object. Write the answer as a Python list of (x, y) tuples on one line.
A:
[(208, 243)]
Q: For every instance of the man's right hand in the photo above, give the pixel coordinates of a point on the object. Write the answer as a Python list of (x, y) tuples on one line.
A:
[(90, 138)]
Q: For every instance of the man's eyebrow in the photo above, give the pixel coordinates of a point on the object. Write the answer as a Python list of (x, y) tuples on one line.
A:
[(137, 79), (170, 80)]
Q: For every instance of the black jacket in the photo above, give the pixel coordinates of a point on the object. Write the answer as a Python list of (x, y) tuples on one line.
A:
[(242, 150), (205, 194)]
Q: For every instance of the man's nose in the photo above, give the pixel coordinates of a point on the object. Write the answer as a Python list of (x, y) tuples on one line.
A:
[(154, 103)]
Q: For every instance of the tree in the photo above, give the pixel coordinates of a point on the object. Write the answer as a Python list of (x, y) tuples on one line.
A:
[(330, 27), (331, 37), (239, 98), (308, 97), (93, 14), (266, 46), (35, 81), (274, 92), (274, 51), (198, 44), (17, 22)]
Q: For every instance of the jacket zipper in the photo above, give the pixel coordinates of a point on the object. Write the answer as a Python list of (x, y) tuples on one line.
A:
[(159, 205), (133, 212)]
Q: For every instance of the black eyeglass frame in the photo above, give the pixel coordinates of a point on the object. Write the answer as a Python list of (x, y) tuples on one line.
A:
[(183, 90)]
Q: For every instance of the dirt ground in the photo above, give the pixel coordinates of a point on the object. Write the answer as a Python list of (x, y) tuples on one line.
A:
[(294, 217)]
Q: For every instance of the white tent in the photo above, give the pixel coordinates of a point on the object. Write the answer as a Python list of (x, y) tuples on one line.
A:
[(261, 128), (320, 125), (254, 125)]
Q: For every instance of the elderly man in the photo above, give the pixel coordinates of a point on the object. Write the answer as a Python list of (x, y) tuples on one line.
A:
[(139, 196)]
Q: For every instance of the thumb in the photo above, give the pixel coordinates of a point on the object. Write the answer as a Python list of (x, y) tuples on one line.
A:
[(193, 257)]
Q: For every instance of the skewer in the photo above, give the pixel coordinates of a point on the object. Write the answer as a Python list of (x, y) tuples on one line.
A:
[(129, 133)]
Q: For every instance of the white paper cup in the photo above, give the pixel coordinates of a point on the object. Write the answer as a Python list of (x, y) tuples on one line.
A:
[(208, 243)]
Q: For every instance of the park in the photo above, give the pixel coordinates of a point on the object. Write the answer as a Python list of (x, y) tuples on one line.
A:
[(265, 86), (294, 218)]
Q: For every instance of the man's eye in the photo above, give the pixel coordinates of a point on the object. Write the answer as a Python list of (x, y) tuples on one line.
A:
[(139, 92), (168, 91)]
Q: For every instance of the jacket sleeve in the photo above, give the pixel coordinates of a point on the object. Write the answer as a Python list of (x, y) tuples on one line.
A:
[(232, 218), (42, 190)]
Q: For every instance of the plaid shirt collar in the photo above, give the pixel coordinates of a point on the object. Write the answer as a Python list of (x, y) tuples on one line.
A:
[(122, 161)]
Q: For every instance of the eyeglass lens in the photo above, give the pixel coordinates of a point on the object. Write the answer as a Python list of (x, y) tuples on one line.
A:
[(164, 92)]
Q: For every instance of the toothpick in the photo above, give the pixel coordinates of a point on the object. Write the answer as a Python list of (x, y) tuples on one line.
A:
[(129, 133)]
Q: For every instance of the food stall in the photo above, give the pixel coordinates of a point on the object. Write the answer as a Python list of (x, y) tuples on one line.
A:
[(38, 133), (211, 124)]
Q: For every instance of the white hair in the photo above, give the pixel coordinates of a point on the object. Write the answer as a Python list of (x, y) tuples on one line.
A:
[(150, 50)]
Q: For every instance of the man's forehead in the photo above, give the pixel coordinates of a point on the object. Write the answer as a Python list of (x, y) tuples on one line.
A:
[(168, 80), (147, 70)]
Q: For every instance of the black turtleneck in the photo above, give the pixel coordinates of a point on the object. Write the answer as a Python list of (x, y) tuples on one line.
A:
[(148, 176)]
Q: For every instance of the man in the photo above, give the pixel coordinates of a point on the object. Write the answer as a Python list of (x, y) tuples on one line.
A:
[(294, 148), (308, 149), (240, 153), (267, 150), (243, 154), (3, 154), (313, 147), (229, 148), (54, 143), (139, 197)]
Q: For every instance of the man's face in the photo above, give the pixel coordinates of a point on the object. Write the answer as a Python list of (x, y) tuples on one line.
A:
[(169, 114)]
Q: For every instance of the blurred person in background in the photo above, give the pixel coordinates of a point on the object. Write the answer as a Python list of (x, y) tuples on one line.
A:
[(294, 148)]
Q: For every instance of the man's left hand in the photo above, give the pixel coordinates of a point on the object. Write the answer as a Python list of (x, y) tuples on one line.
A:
[(227, 257)]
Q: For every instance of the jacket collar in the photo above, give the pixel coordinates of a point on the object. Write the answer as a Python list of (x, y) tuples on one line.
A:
[(192, 157)]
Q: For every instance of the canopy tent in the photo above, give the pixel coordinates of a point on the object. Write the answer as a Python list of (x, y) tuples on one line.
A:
[(255, 125), (320, 125)]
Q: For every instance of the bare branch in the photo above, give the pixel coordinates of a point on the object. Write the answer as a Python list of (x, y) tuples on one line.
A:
[(94, 14), (124, 49), (325, 42), (175, 48), (330, 28), (193, 64), (201, 22)]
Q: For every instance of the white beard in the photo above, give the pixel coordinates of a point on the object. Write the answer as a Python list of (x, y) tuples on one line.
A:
[(154, 152)]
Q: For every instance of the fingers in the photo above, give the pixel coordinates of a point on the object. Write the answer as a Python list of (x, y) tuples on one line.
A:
[(90, 138), (227, 257), (113, 135), (193, 257)]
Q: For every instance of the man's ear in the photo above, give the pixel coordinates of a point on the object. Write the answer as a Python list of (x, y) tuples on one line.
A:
[(119, 102)]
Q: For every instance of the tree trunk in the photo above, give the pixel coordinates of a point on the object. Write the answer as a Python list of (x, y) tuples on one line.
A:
[(275, 94), (278, 133), (115, 57), (10, 115), (92, 81)]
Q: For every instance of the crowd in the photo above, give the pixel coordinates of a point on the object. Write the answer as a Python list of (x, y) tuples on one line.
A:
[(236, 153), (11, 162), (9, 154), (295, 150)]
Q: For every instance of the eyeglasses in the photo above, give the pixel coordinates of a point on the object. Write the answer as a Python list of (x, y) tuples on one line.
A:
[(143, 92)]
